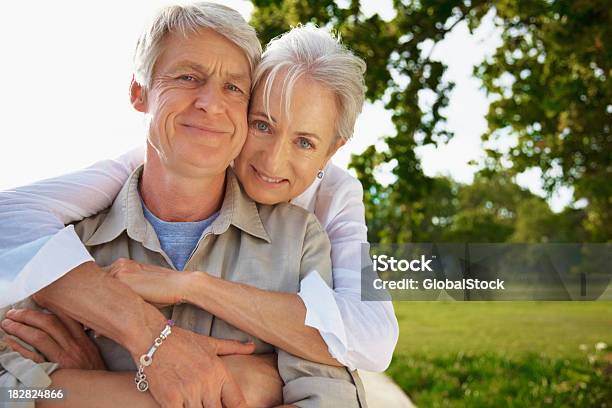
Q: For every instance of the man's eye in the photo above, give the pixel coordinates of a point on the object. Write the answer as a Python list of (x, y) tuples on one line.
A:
[(233, 88), (188, 78), (304, 143)]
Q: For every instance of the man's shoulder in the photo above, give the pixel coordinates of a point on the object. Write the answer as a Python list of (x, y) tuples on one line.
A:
[(285, 211), (88, 226), (288, 217)]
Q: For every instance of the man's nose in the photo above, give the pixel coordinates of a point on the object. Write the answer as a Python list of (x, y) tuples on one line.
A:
[(210, 98)]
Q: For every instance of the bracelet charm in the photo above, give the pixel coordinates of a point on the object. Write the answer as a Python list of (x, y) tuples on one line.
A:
[(146, 360)]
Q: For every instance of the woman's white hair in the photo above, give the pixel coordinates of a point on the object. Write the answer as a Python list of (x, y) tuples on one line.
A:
[(186, 20), (320, 56)]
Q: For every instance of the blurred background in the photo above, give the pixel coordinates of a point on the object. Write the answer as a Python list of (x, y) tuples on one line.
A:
[(486, 121)]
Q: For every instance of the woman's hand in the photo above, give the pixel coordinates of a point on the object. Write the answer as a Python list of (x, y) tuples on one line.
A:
[(59, 338), (155, 284), (258, 378)]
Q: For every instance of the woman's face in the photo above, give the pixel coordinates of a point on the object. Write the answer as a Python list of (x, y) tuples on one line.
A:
[(282, 156)]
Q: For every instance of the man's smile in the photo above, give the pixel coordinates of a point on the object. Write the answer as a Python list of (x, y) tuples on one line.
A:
[(204, 130)]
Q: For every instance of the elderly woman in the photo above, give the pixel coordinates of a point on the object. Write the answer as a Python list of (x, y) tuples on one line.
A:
[(307, 93)]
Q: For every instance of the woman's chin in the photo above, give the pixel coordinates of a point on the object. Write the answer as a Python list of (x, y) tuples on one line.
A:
[(268, 199), (261, 196)]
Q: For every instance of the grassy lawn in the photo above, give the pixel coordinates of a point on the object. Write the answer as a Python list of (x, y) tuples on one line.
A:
[(504, 353), (554, 328)]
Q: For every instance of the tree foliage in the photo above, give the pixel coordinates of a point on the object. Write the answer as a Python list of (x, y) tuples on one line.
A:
[(551, 82)]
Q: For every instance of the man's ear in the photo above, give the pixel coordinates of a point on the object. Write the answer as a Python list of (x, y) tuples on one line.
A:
[(137, 96)]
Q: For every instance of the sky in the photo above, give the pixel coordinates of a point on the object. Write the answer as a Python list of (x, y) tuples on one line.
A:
[(66, 72)]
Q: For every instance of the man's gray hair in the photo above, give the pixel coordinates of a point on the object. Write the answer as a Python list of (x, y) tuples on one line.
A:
[(320, 56), (187, 20)]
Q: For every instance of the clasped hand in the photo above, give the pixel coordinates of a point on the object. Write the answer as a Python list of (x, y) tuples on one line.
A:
[(155, 284)]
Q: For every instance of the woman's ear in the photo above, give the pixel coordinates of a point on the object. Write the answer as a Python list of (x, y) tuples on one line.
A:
[(334, 147), (137, 96)]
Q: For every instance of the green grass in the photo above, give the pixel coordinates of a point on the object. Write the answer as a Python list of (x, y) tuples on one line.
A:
[(492, 354), (554, 328)]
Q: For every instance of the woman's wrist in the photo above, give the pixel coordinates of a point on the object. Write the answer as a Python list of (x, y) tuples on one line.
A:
[(193, 287)]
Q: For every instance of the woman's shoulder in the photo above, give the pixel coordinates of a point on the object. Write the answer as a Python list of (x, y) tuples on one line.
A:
[(338, 183), (339, 197)]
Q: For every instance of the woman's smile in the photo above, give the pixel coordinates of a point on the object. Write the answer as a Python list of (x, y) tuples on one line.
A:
[(270, 182)]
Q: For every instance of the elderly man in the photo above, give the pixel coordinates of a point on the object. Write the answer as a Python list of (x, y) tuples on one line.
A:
[(185, 207)]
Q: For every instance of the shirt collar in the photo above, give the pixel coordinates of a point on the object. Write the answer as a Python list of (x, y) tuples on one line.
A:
[(126, 214), (239, 210)]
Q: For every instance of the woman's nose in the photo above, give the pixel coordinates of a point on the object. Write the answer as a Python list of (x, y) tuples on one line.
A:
[(275, 155)]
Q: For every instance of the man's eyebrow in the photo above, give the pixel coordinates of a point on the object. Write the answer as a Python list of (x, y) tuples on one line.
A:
[(187, 64), (238, 77)]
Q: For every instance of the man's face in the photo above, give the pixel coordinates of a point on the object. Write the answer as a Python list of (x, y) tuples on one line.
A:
[(197, 104)]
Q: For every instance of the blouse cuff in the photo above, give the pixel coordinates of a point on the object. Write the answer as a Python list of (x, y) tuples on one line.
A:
[(322, 313), (60, 254)]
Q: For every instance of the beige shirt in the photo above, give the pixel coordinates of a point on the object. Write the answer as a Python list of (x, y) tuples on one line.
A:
[(270, 247)]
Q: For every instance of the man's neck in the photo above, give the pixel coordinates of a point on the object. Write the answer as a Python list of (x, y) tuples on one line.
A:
[(177, 198)]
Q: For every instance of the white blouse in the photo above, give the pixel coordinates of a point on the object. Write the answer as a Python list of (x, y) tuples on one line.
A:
[(36, 249)]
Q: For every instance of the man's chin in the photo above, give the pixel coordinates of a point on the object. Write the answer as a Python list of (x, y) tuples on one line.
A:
[(198, 165), (204, 155)]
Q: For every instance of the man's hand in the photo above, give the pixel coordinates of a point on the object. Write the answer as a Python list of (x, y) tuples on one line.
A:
[(59, 338), (186, 371), (155, 284)]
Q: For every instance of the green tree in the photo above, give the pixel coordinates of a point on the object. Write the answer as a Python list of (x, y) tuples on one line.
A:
[(492, 209), (487, 210), (551, 82), (536, 223)]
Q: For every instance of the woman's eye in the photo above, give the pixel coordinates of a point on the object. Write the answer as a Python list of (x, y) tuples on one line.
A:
[(261, 126), (304, 143)]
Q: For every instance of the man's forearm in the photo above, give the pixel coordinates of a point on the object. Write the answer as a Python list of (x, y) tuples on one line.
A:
[(257, 378), (106, 305), (97, 389)]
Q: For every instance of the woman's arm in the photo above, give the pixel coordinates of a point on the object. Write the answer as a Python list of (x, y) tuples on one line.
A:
[(360, 334), (35, 247), (274, 317)]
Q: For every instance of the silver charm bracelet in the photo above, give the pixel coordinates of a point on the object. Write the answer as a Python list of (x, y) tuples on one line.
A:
[(147, 359)]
